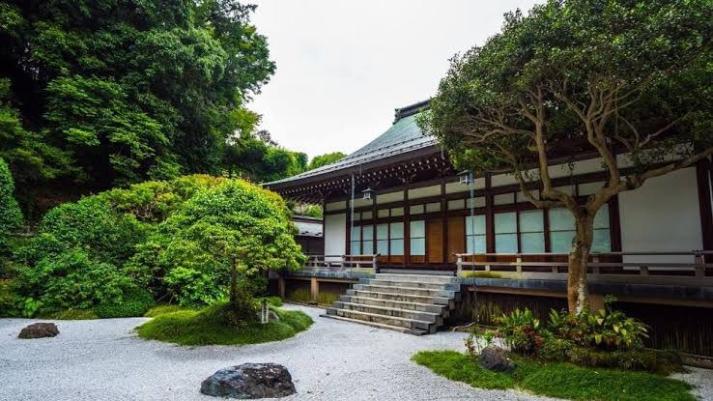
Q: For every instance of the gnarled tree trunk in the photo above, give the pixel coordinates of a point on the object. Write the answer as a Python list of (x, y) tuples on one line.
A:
[(577, 288)]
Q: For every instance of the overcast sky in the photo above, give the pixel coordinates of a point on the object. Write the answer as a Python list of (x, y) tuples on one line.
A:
[(344, 66)]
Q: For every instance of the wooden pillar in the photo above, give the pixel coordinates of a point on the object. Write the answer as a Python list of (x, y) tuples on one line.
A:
[(314, 289), (489, 216), (407, 227), (704, 202)]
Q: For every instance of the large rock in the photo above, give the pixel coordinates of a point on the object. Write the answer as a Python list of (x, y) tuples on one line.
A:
[(39, 330), (250, 380), (496, 359)]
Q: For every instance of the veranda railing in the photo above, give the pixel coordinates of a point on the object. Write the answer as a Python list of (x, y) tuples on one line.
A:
[(342, 262), (685, 268)]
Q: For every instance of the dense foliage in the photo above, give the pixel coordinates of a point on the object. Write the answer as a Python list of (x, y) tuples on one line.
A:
[(583, 77), (95, 94), (325, 159), (119, 251), (605, 338), (10, 215)]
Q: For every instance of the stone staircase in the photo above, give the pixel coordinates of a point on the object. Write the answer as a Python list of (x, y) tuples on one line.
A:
[(409, 303)]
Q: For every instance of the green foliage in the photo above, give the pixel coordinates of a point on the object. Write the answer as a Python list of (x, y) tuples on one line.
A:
[(605, 329), (522, 331), (114, 92), (262, 160), (189, 255), (133, 303), (9, 301), (299, 295), (560, 380), (325, 159), (70, 280), (327, 298), (605, 338), (636, 72), (272, 301), (174, 238), (212, 326), (10, 215)]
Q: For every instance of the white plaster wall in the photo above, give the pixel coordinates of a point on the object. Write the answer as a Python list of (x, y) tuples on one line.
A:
[(662, 215), (335, 234)]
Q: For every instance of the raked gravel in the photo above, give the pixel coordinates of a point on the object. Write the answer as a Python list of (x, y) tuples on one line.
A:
[(333, 360)]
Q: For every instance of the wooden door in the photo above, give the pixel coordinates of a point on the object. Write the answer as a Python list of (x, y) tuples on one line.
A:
[(434, 240), (456, 237)]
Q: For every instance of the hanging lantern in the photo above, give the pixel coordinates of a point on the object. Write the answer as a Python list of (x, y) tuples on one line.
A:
[(465, 177), (367, 194)]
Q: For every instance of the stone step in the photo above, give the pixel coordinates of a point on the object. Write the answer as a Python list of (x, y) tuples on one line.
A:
[(386, 320), (445, 301), (392, 312), (415, 284), (422, 278), (417, 306), (378, 325), (423, 292)]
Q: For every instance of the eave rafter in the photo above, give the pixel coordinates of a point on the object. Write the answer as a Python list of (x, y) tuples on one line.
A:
[(402, 172)]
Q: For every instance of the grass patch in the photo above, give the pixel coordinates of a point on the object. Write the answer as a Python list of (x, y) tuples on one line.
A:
[(327, 298), (209, 327), (562, 380), (299, 295), (165, 309)]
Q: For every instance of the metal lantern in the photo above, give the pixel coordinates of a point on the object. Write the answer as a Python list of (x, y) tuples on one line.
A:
[(367, 194), (465, 177)]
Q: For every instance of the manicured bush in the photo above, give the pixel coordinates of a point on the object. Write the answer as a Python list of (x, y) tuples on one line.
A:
[(133, 303), (190, 255)]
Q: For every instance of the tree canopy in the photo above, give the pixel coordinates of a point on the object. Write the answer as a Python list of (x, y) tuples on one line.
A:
[(112, 92), (323, 160), (627, 81)]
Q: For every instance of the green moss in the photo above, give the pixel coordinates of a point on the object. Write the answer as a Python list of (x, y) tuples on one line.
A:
[(165, 309), (459, 367), (562, 380), (209, 327)]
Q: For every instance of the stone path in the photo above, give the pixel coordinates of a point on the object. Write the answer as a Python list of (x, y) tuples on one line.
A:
[(104, 360)]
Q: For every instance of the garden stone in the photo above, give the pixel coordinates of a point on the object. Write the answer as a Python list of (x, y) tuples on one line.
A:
[(496, 359), (39, 330), (249, 381)]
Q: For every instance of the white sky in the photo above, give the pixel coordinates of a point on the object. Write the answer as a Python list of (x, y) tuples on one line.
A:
[(344, 66)]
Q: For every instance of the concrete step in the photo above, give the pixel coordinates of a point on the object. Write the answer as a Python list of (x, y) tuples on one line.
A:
[(423, 292), (378, 325), (382, 319), (415, 284), (423, 278), (434, 318), (445, 301), (417, 306)]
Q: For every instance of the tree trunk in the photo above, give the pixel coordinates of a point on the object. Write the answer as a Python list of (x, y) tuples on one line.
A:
[(577, 289)]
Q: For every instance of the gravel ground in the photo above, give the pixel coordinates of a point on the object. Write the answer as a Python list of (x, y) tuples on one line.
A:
[(104, 360)]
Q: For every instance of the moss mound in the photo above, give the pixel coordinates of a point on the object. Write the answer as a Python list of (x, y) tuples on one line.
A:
[(210, 326)]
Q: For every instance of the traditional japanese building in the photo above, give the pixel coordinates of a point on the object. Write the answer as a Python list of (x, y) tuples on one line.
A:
[(398, 204)]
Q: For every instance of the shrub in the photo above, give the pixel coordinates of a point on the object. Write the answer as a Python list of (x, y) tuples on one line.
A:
[(164, 310), (133, 303), (69, 281), (10, 215), (605, 329), (190, 255), (522, 331)]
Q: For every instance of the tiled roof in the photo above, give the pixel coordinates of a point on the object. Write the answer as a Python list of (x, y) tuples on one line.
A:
[(403, 136)]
